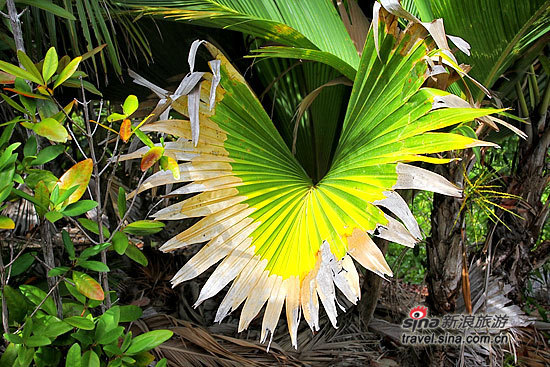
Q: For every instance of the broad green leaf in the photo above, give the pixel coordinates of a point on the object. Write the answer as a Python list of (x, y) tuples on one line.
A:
[(130, 313), (93, 265), (57, 271), (30, 147), (51, 129), (48, 154), (13, 338), (42, 197), (148, 341), (112, 336), (22, 263), (37, 341), (68, 244), (9, 356), (6, 223), (18, 72), (80, 322), (144, 227), (49, 66), (53, 216), (120, 242), (130, 105), (121, 202), (115, 117), (36, 295), (88, 286), (80, 175), (144, 138), (35, 176), (17, 304), (93, 250), (90, 359), (74, 357), (78, 208), (55, 328), (29, 65), (135, 254), (67, 72), (93, 227)]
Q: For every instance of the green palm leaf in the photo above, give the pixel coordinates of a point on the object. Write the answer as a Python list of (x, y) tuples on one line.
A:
[(281, 237)]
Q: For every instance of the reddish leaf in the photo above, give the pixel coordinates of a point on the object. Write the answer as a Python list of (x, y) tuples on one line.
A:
[(125, 130), (151, 157), (26, 94), (79, 174), (6, 78), (88, 286)]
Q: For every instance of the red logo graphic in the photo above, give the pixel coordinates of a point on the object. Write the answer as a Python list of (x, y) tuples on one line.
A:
[(419, 312)]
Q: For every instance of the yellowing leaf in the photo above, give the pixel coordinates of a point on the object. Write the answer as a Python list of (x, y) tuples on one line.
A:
[(68, 71), (170, 164), (130, 105), (51, 129), (6, 223), (125, 130), (88, 286), (151, 157), (79, 174), (50, 64)]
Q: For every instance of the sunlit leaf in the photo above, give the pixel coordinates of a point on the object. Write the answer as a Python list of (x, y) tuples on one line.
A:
[(125, 130), (130, 105), (51, 129), (6, 223), (151, 157), (88, 286), (68, 71), (170, 164), (49, 66), (78, 175), (18, 72), (29, 65)]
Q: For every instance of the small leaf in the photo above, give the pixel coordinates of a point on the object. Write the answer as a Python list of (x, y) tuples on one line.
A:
[(121, 202), (93, 265), (13, 338), (88, 286), (130, 313), (48, 154), (148, 341), (68, 243), (151, 157), (120, 243), (90, 359), (125, 130), (6, 223), (50, 64), (162, 363), (29, 65), (170, 164), (51, 129), (37, 341), (57, 271), (78, 208), (135, 254), (93, 227), (22, 263), (80, 322), (68, 71), (53, 216), (18, 72), (144, 227), (93, 250), (36, 295), (74, 357), (80, 175), (144, 138), (30, 147), (131, 104), (115, 117)]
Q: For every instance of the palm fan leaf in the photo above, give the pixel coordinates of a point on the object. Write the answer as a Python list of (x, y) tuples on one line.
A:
[(282, 237)]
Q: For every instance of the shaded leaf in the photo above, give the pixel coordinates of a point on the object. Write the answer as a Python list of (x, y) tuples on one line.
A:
[(135, 254), (144, 227)]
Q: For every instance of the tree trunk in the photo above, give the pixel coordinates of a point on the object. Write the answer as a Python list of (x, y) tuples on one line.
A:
[(514, 257), (444, 246)]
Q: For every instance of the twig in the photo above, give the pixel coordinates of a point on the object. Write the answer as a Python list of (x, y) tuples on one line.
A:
[(5, 323)]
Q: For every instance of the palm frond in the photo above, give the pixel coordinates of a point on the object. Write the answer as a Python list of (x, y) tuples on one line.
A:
[(277, 20), (282, 237)]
